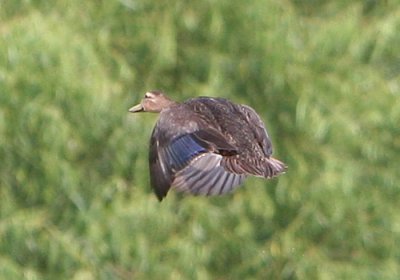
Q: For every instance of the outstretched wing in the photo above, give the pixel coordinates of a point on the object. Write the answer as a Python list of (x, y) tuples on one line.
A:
[(192, 163), (258, 128), (160, 174), (206, 176)]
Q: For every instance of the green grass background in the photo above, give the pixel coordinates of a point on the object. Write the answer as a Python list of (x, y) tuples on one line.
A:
[(75, 200)]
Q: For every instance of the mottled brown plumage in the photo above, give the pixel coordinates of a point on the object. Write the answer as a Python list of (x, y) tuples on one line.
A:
[(206, 145)]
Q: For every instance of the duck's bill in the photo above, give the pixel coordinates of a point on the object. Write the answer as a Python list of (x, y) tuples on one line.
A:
[(136, 108)]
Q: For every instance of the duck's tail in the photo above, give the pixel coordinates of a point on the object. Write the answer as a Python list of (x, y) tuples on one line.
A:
[(274, 167)]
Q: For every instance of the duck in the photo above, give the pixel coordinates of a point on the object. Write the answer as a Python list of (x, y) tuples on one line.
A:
[(205, 145)]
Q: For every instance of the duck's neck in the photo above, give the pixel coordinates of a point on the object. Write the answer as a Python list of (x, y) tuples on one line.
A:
[(168, 103)]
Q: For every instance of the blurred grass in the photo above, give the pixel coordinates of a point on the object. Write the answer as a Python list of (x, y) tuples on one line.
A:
[(74, 188)]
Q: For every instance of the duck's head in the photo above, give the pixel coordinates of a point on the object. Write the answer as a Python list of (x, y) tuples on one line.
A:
[(153, 101)]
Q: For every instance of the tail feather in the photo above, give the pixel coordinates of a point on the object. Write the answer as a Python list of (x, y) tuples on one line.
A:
[(274, 167)]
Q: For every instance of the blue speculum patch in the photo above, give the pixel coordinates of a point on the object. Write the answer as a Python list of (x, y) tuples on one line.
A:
[(182, 150)]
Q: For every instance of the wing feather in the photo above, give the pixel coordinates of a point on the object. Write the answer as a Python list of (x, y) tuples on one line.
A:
[(258, 127), (160, 174), (206, 176)]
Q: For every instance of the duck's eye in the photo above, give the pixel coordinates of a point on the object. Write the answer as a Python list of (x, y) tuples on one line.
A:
[(146, 96)]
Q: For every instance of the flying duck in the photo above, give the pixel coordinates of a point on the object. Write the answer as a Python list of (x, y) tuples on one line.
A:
[(205, 145)]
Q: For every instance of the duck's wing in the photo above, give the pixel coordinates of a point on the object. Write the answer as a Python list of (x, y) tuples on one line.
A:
[(206, 176), (191, 163), (160, 173), (198, 157), (264, 165), (214, 141), (258, 127)]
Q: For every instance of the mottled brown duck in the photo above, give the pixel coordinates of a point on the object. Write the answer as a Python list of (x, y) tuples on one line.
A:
[(205, 145)]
